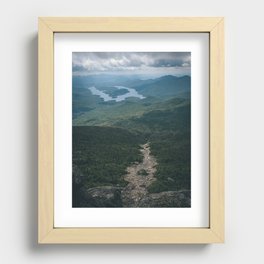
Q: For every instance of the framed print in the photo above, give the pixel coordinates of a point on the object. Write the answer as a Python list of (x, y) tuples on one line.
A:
[(131, 130)]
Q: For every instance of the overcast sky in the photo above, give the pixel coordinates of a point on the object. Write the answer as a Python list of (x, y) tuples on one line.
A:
[(145, 63)]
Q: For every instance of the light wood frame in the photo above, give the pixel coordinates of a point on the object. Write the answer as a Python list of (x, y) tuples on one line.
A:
[(47, 233)]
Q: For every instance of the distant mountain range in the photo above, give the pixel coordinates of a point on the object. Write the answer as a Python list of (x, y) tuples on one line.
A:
[(167, 86)]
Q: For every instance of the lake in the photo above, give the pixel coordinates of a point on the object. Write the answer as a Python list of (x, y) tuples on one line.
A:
[(130, 93)]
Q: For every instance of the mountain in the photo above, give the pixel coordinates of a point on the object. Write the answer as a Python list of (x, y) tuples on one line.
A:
[(166, 87), (103, 80)]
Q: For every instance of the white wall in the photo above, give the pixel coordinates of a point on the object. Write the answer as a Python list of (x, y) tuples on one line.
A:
[(244, 133)]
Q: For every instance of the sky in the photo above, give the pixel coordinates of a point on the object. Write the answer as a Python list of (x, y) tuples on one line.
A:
[(127, 63)]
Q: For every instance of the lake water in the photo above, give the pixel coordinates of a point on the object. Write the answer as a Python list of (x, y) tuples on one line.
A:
[(130, 93)]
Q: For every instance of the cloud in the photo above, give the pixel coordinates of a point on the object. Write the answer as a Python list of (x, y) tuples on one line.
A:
[(129, 62)]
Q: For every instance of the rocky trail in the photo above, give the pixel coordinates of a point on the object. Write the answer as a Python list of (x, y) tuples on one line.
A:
[(139, 176)]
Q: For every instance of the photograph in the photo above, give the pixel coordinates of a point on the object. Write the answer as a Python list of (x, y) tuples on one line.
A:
[(131, 129)]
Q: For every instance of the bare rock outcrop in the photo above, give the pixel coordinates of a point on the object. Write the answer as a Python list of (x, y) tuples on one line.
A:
[(167, 199), (104, 196)]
